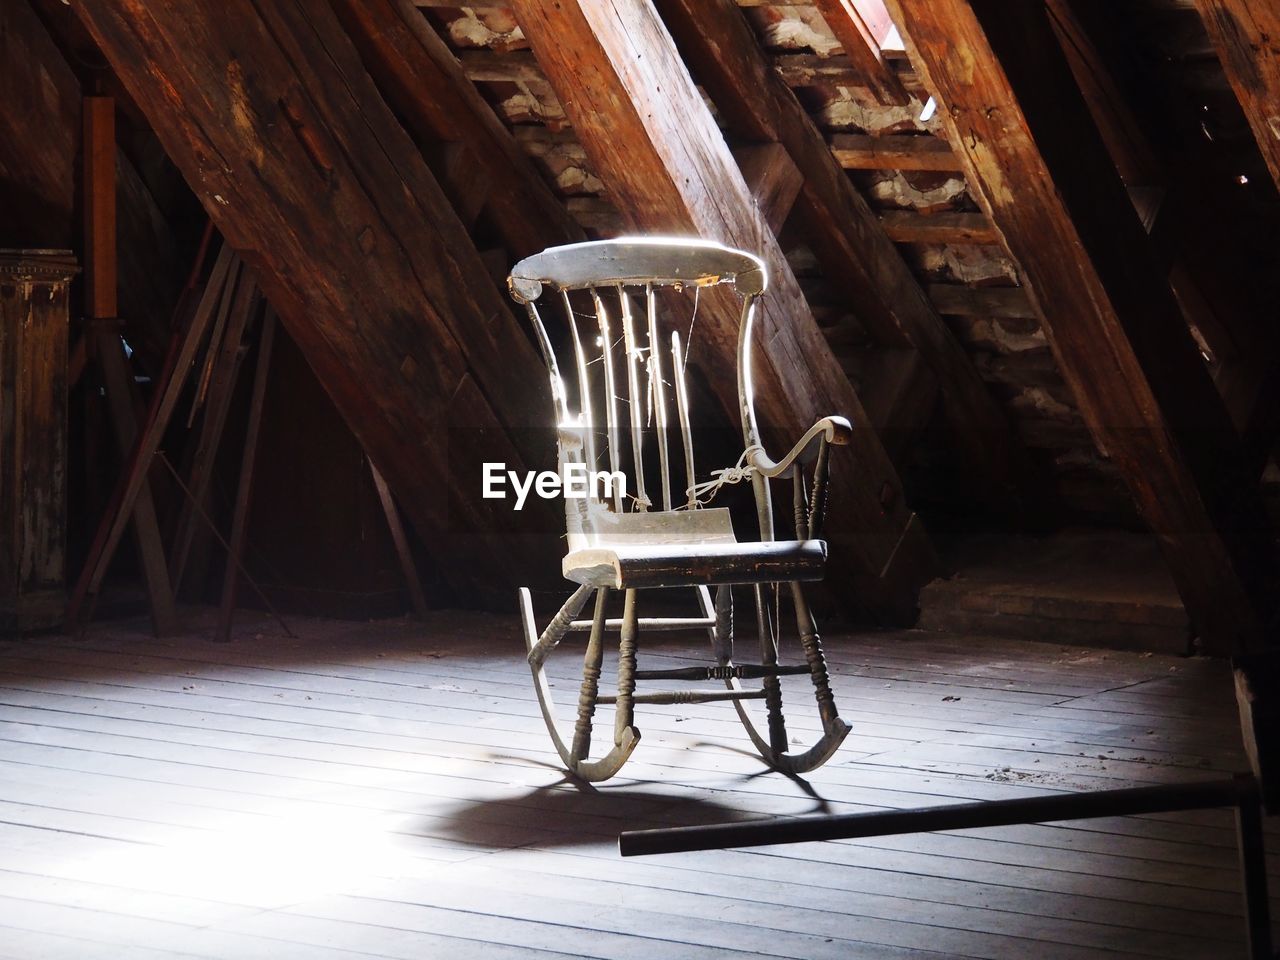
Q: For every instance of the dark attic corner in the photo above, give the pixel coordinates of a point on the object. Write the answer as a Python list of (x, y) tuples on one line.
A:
[(405, 405)]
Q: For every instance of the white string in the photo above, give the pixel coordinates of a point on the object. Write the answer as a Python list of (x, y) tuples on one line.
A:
[(705, 492)]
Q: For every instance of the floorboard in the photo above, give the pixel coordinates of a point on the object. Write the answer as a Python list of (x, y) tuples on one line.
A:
[(387, 790)]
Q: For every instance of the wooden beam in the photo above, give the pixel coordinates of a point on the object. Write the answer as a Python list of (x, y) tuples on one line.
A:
[(858, 26), (1246, 35), (856, 255), (39, 150), (1205, 227), (1000, 302), (308, 175), (424, 82), (244, 486), (1045, 179), (773, 179), (99, 157), (651, 138), (911, 226), (858, 151)]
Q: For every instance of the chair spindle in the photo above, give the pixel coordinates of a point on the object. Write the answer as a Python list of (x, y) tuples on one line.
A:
[(682, 411), (611, 394), (634, 396), (658, 394)]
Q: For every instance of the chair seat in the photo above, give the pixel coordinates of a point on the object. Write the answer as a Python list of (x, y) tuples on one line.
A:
[(622, 566)]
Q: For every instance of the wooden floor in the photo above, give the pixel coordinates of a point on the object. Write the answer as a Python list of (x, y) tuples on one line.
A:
[(388, 790)]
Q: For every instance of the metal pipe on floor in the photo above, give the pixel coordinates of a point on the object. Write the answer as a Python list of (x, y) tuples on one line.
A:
[(1230, 792)]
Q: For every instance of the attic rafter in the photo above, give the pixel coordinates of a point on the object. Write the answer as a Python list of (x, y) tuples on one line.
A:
[(846, 235), (1047, 182), (424, 82), (1203, 227), (282, 134), (860, 37), (1246, 34), (651, 138)]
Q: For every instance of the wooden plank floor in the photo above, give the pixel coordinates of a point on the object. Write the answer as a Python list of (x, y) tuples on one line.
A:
[(388, 790)]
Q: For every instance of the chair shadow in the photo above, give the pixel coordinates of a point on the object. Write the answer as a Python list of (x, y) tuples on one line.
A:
[(570, 812)]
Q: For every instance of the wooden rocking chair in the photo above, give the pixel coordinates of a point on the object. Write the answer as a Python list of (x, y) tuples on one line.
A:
[(622, 541)]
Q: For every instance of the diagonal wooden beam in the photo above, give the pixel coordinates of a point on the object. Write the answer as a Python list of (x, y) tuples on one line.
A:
[(651, 138), (1202, 225), (860, 26), (845, 234), (1246, 34), (425, 84), (1047, 182), (283, 136)]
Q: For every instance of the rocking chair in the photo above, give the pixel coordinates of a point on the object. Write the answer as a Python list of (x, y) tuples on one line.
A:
[(618, 540)]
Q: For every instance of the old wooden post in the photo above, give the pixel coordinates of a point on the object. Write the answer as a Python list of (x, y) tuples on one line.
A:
[(33, 436)]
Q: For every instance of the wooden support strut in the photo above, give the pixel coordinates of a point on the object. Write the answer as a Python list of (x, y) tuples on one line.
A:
[(104, 333), (133, 477), (244, 489), (1046, 181)]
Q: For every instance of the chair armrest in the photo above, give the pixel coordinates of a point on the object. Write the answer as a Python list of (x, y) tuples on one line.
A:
[(835, 430)]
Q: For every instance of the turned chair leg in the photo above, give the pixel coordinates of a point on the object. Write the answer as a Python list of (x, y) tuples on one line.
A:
[(625, 707), (722, 635), (811, 643), (772, 684), (592, 661)]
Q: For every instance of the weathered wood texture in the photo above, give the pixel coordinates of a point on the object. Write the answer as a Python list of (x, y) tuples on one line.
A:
[(33, 436), (1246, 35), (1048, 184), (348, 795), (39, 147), (859, 151), (843, 231), (423, 81), (286, 141), (651, 138), (861, 36)]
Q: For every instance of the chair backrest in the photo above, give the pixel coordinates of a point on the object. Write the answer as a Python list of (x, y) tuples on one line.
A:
[(618, 416)]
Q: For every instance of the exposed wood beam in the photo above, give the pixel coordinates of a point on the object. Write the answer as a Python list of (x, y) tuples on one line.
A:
[(1000, 302), (856, 24), (1246, 35), (307, 173), (651, 138), (99, 159), (38, 155), (1215, 240), (849, 240), (1046, 180), (773, 179), (424, 83), (910, 226), (858, 151), (808, 70)]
